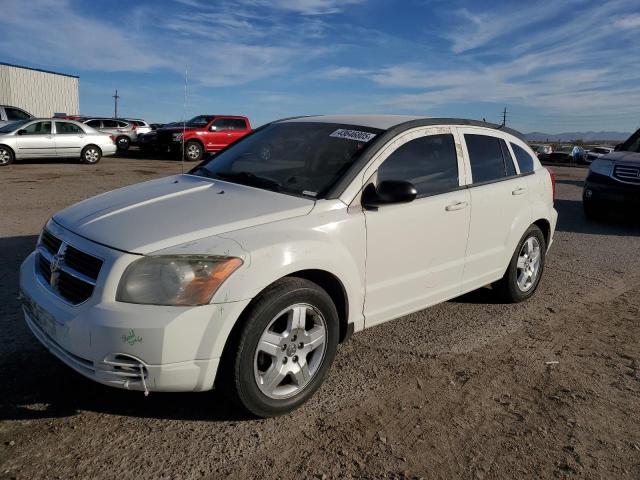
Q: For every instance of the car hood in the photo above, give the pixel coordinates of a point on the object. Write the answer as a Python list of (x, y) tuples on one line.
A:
[(622, 157), (158, 214)]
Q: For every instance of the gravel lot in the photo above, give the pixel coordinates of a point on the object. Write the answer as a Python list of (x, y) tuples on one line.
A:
[(462, 390)]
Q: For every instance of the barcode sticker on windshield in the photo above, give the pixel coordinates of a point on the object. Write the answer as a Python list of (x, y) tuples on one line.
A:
[(353, 135)]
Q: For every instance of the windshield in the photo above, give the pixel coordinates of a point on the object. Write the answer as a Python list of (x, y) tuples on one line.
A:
[(10, 127), (632, 144), (298, 158), (199, 121)]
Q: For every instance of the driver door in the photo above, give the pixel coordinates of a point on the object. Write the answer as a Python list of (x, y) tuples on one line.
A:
[(36, 141), (416, 250)]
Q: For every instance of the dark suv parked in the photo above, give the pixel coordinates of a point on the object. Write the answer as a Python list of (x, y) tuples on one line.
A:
[(614, 179)]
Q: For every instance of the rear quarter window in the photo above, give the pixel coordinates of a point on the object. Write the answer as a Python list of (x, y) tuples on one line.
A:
[(524, 159)]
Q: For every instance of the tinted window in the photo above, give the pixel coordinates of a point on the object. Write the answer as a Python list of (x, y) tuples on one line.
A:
[(237, 124), (15, 114), (94, 123), (430, 163), (222, 124), (508, 159), (122, 124), (525, 161), (199, 121), (66, 128), (109, 124), (10, 127), (38, 128), (485, 155)]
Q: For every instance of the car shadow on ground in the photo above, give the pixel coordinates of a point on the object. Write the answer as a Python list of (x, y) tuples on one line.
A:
[(614, 221), (36, 385)]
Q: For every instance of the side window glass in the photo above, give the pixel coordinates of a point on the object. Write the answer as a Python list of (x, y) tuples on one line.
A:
[(65, 128), (238, 124), (525, 161), (15, 114), (221, 124), (122, 124), (94, 123), (430, 163), (109, 124), (38, 128), (485, 155), (508, 159)]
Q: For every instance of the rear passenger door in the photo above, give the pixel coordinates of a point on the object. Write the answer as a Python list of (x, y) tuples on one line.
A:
[(70, 139), (500, 207), (416, 251)]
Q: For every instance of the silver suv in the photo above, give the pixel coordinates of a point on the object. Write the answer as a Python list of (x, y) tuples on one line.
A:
[(124, 132), (10, 114)]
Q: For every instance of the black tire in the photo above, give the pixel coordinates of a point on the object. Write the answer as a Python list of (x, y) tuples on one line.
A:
[(237, 378), (507, 288), (6, 156), (123, 143), (90, 155), (591, 210), (193, 151)]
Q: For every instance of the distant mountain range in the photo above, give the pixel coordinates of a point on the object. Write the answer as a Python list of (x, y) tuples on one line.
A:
[(584, 136)]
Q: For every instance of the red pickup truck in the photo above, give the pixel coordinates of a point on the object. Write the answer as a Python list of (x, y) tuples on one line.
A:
[(203, 133)]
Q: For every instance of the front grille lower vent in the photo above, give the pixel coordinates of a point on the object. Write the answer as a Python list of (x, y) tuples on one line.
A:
[(69, 272)]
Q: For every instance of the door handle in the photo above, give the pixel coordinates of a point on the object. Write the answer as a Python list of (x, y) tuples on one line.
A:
[(456, 206), (518, 191)]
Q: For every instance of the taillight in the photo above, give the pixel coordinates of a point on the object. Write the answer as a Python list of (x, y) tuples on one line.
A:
[(553, 183), (134, 126)]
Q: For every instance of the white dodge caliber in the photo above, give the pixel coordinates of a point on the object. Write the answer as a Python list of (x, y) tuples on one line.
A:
[(246, 273)]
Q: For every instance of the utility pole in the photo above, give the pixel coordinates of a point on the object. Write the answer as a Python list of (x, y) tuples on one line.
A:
[(504, 117), (115, 98)]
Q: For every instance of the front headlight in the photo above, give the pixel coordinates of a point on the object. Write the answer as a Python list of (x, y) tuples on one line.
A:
[(602, 167), (175, 280), (177, 137)]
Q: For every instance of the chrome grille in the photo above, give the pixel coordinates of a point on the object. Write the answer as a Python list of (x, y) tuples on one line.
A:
[(627, 173), (69, 272)]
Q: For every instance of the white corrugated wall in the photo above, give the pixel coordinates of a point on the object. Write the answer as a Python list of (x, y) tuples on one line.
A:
[(40, 93)]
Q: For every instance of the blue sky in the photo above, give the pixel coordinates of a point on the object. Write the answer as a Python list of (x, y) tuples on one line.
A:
[(557, 66)]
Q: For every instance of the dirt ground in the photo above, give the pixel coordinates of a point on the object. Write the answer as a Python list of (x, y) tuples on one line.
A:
[(467, 389)]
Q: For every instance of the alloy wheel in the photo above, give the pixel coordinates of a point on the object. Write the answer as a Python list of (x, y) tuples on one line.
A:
[(91, 155), (290, 351), (528, 266), (5, 157), (193, 151)]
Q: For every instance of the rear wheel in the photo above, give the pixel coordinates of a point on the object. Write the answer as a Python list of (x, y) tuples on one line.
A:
[(193, 151), (90, 155), (525, 269), (6, 156), (284, 350), (123, 143)]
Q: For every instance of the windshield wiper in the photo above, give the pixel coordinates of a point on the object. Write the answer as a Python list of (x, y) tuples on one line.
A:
[(248, 178)]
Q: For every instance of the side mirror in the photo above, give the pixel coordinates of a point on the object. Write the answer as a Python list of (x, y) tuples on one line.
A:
[(388, 192), (22, 131), (617, 147)]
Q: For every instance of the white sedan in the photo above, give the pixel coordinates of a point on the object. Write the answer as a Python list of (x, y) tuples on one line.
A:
[(53, 137), (246, 272)]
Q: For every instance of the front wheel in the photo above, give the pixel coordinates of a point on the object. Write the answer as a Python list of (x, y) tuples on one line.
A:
[(193, 151), (6, 156), (525, 269), (284, 350), (90, 155)]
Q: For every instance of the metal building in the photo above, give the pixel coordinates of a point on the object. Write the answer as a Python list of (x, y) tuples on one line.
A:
[(39, 92)]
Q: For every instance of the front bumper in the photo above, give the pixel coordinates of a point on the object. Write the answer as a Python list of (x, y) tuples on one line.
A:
[(136, 347), (602, 189)]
